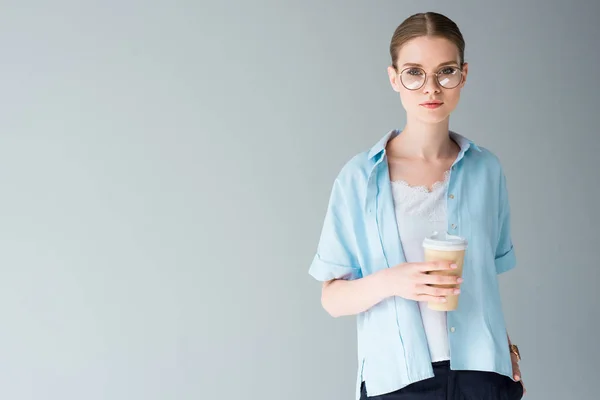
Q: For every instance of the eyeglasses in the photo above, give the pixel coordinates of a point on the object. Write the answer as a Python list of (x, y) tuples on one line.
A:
[(413, 78)]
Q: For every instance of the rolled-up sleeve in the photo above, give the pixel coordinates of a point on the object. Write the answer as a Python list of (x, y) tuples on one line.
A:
[(505, 253), (336, 252)]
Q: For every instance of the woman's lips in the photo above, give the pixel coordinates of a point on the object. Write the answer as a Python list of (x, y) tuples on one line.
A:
[(432, 105)]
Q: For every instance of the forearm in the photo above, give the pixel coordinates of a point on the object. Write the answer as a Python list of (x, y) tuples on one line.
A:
[(349, 297)]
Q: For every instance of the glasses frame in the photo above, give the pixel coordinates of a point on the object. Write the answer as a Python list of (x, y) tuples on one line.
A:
[(437, 77)]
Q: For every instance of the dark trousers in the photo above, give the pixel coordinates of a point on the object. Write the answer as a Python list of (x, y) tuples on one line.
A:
[(455, 385)]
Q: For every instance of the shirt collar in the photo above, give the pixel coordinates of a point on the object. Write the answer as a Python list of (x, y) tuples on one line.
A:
[(379, 147)]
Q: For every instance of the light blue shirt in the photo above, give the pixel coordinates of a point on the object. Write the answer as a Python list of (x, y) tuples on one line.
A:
[(360, 236)]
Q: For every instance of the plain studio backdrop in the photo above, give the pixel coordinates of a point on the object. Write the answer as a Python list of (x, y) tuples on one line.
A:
[(165, 169)]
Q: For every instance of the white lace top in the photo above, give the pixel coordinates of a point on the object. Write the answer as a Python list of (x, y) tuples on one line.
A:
[(419, 212)]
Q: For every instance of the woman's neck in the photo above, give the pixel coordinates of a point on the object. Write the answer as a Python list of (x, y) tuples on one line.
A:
[(423, 141)]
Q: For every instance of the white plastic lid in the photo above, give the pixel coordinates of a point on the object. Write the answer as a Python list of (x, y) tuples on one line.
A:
[(443, 241)]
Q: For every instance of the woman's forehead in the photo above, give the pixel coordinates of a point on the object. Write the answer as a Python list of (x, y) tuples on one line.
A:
[(428, 52)]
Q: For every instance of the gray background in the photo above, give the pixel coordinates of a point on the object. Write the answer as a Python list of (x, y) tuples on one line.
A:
[(165, 169)]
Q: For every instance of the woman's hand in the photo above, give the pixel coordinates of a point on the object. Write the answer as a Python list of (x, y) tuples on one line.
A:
[(517, 370), (412, 281)]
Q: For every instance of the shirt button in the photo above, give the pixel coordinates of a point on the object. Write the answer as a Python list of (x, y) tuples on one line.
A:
[(451, 196), (452, 329)]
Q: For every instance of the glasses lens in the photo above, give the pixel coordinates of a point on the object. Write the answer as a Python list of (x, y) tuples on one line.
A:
[(412, 78), (449, 77)]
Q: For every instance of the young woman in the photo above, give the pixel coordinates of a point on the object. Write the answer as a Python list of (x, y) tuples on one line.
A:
[(384, 202)]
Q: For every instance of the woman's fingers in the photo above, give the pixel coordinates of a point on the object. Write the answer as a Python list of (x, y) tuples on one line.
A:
[(436, 266), (435, 279), (430, 298), (437, 291), (517, 371), (425, 289)]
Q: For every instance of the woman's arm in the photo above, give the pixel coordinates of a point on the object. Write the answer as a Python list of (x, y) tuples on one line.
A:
[(341, 297), (407, 280)]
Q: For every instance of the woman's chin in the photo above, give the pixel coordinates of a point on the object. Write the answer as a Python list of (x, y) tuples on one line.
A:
[(433, 117)]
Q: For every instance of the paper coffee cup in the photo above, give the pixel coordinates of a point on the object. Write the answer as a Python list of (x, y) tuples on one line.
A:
[(441, 246)]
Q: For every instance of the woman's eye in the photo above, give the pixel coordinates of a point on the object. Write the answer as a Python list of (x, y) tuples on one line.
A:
[(448, 71), (415, 72)]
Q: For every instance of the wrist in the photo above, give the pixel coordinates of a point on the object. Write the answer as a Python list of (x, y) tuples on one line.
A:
[(381, 283)]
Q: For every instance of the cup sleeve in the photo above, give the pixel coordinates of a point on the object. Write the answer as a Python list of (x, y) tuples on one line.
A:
[(336, 255), (505, 259)]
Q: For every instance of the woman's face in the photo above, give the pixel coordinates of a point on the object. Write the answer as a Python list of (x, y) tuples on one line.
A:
[(431, 54)]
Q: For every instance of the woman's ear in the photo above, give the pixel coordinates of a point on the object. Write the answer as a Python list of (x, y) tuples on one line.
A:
[(465, 72), (394, 79)]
